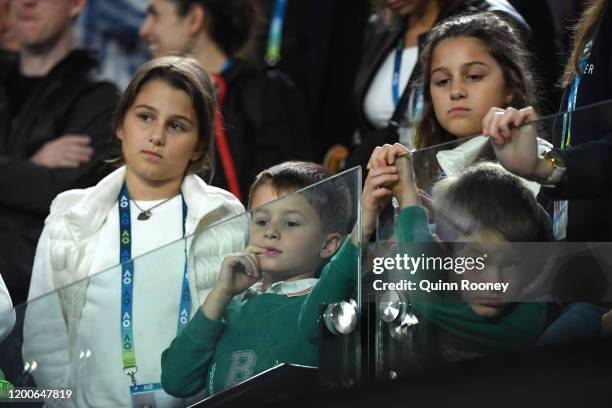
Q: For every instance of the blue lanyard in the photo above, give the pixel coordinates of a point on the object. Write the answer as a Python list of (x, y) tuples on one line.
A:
[(566, 135), (127, 285), (275, 38), (397, 69), (227, 66)]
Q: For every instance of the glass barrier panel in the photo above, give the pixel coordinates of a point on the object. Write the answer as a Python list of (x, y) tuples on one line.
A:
[(99, 341), (475, 270)]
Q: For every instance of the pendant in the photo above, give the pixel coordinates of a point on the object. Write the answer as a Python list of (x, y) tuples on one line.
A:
[(144, 215)]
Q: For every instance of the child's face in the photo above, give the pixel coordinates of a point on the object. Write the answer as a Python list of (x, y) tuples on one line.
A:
[(291, 232), (159, 134), (164, 30), (465, 83), (500, 267)]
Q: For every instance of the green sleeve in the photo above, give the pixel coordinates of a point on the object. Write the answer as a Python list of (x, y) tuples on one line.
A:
[(413, 226), (337, 283), (185, 363)]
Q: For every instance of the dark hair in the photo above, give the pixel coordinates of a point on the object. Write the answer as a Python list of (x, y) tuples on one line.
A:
[(582, 31), (488, 197), (504, 45), (331, 200), (187, 75), (230, 23)]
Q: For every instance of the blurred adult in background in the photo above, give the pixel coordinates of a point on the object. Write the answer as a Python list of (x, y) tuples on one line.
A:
[(547, 50), (8, 41), (386, 101), (54, 122), (576, 174), (318, 45), (263, 120)]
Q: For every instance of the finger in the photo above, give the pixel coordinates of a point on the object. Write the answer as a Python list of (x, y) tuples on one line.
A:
[(505, 121), (494, 128), (253, 266), (254, 249), (488, 123), (525, 115), (377, 171), (383, 180), (83, 153), (75, 139), (67, 162)]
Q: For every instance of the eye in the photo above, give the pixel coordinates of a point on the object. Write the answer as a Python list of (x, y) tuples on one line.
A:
[(261, 222), (145, 117), (441, 82), (292, 224), (177, 126), (474, 77)]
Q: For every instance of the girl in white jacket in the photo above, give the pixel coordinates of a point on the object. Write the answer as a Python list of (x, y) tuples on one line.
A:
[(104, 333)]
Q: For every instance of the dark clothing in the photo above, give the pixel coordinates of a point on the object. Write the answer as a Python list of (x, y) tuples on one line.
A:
[(547, 51), (69, 100), (265, 123), (322, 42), (381, 40), (587, 183)]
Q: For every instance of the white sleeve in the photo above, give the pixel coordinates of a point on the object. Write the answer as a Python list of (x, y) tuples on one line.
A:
[(7, 314), (45, 336), (42, 274)]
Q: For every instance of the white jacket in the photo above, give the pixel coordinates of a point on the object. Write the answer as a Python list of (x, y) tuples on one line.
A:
[(7, 314), (64, 262)]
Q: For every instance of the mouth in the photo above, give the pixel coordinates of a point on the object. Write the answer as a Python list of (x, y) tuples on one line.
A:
[(153, 47), (394, 5), (458, 111), (490, 302), (150, 155), (271, 252)]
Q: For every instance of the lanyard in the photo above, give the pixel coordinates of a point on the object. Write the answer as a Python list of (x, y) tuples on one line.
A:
[(397, 69), (128, 354), (566, 135), (227, 66), (221, 140), (275, 38)]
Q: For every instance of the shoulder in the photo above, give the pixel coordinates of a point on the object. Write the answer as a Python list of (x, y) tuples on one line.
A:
[(203, 199)]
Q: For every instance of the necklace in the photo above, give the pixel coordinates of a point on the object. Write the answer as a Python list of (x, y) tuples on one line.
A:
[(146, 214)]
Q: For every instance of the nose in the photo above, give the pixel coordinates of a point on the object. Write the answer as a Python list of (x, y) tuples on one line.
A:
[(145, 28), (271, 232), (457, 91), (158, 136)]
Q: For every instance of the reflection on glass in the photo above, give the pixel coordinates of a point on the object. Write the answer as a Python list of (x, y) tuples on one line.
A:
[(72, 338), (473, 209)]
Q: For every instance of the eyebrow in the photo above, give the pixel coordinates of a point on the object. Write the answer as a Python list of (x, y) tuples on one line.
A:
[(151, 10), (285, 212), (185, 118), (467, 65)]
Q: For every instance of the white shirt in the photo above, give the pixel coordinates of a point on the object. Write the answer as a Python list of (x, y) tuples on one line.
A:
[(378, 104), (159, 275)]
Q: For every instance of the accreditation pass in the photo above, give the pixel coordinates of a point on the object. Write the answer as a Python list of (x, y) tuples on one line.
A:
[(34, 394)]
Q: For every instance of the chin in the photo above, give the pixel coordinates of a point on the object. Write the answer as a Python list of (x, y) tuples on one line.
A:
[(486, 311)]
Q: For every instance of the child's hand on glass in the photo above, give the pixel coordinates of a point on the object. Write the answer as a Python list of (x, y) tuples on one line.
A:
[(398, 156), (515, 143)]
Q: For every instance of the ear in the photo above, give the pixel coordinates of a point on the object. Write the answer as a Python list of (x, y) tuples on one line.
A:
[(76, 7), (119, 132), (196, 18), (195, 156), (330, 245)]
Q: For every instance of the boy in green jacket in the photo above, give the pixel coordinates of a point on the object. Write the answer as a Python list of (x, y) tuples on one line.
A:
[(494, 206), (231, 337)]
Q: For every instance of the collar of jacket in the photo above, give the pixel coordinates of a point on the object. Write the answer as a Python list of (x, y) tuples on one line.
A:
[(85, 211)]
